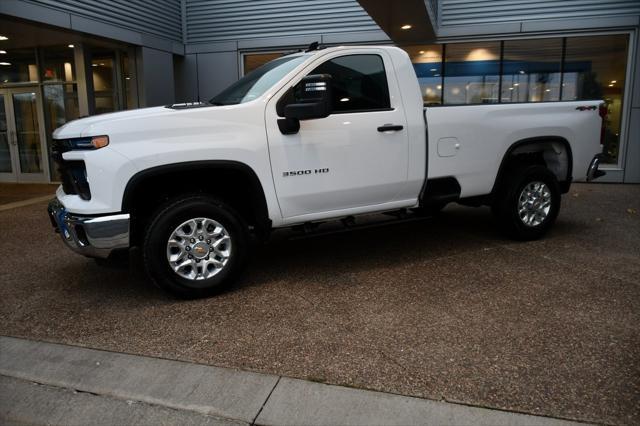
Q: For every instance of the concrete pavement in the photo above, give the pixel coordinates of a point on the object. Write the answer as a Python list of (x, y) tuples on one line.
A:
[(60, 384), (442, 309)]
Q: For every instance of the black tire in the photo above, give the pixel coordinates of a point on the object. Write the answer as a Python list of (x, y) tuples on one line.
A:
[(506, 204), (170, 217)]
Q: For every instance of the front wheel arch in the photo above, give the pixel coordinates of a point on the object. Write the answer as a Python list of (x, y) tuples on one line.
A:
[(234, 182)]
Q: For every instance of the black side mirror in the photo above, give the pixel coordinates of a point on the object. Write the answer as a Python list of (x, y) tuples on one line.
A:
[(314, 96)]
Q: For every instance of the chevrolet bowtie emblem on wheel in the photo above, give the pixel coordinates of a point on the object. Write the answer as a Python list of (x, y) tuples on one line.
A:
[(199, 250)]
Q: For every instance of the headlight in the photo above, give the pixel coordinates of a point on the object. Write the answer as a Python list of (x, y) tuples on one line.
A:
[(95, 142)]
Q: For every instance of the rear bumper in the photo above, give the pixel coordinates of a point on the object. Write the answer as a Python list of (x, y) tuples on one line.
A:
[(594, 172), (90, 236)]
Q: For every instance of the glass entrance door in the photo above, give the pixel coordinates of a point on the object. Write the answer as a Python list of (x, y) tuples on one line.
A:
[(22, 142)]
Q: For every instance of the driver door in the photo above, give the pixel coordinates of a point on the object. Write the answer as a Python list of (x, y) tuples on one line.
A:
[(347, 160)]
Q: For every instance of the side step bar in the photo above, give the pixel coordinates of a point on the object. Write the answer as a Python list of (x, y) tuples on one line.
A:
[(312, 229)]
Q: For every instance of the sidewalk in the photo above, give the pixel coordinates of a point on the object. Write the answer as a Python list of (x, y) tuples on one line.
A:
[(51, 383)]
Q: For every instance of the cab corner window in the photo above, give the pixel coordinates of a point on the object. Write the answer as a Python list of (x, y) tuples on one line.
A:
[(359, 83)]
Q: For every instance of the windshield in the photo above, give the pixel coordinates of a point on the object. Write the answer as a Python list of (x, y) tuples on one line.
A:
[(258, 81)]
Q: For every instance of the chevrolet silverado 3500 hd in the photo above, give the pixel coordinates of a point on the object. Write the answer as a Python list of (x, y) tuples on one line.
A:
[(309, 137)]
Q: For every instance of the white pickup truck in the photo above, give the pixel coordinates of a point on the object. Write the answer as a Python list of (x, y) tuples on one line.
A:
[(310, 137)]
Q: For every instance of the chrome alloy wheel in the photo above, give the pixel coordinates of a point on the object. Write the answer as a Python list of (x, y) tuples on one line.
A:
[(198, 248), (534, 203)]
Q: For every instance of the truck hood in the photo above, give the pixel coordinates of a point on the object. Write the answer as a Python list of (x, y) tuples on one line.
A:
[(102, 124)]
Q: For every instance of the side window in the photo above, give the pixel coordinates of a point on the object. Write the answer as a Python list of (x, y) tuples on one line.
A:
[(359, 82)]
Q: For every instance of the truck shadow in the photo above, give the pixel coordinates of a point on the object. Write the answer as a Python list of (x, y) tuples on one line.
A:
[(291, 255)]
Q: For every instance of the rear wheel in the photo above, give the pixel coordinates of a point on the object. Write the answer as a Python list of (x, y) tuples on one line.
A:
[(528, 202), (195, 246)]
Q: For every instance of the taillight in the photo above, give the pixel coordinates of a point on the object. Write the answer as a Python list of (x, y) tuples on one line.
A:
[(603, 111)]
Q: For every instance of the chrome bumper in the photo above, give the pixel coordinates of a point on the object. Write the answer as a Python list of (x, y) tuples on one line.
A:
[(593, 171), (90, 236)]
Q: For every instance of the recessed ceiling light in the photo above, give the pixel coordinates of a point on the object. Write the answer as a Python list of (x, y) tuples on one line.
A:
[(4, 37), (94, 65), (611, 85), (433, 69), (516, 84), (421, 52), (71, 46), (5, 63), (548, 90), (521, 71), (406, 27), (102, 64), (3, 52), (614, 81), (510, 88)]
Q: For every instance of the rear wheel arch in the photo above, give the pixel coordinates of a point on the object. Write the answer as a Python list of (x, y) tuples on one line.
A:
[(234, 182), (554, 152)]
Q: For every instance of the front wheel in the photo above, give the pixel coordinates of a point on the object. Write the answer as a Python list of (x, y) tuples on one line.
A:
[(528, 202), (194, 246)]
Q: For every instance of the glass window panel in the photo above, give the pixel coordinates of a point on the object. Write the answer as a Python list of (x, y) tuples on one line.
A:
[(531, 70), (58, 64), (359, 82), (471, 73), (427, 62), (595, 68), (103, 72), (27, 132), (18, 66), (255, 60), (60, 106)]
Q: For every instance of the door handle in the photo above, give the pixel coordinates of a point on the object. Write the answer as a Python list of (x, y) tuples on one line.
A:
[(390, 128)]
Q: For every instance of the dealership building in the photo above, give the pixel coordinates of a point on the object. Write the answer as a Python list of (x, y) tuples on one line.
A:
[(64, 59)]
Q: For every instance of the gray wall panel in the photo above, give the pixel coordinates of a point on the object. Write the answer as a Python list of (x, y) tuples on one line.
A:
[(161, 18), (464, 12), (156, 75), (218, 20), (216, 71), (35, 12), (378, 36), (632, 166), (185, 70)]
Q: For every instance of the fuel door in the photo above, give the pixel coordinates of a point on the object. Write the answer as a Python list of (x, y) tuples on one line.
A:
[(448, 147)]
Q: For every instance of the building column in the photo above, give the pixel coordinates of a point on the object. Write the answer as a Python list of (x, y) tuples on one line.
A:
[(84, 79)]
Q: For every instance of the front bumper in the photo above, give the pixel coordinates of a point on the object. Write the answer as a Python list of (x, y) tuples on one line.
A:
[(594, 172), (95, 236)]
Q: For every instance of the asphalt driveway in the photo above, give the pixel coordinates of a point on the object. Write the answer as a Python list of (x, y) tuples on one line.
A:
[(442, 308)]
